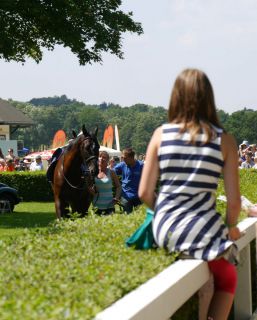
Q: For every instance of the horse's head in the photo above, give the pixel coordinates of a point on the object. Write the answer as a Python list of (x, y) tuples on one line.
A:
[(90, 151)]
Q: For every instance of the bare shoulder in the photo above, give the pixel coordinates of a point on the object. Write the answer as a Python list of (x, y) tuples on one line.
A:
[(228, 139), (156, 138), (158, 131), (154, 144), (228, 144)]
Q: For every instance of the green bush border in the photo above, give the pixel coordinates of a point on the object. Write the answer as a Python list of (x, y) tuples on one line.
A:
[(31, 186), (35, 251)]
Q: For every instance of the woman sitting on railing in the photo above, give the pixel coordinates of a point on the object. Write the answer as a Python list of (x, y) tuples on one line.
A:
[(189, 153)]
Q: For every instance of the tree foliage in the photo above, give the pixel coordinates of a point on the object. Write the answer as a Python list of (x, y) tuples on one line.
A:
[(243, 125), (87, 27), (136, 123), (54, 101)]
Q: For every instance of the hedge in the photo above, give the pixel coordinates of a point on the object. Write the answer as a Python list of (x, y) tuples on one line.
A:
[(31, 186), (78, 267), (73, 269)]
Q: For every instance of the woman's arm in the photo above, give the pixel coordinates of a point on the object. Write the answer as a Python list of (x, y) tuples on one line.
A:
[(150, 172), (117, 185), (231, 184)]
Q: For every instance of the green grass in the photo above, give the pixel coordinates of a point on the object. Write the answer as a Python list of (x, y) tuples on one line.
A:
[(69, 269), (73, 269), (248, 188), (30, 215)]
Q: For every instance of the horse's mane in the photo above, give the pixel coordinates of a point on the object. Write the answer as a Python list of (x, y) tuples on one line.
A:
[(75, 139), (70, 145)]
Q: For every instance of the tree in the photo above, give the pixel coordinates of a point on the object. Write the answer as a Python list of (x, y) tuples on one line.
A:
[(87, 27), (52, 101), (92, 118), (223, 116), (241, 124)]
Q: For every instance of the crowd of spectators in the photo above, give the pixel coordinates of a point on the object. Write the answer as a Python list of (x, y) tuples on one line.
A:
[(11, 162), (247, 155)]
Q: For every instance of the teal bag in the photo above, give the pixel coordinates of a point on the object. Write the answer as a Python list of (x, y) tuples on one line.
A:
[(143, 238)]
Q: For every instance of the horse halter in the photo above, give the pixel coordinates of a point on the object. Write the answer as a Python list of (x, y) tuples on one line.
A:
[(84, 167), (90, 158), (86, 173)]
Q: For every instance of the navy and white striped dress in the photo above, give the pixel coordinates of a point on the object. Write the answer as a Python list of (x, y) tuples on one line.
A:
[(185, 216)]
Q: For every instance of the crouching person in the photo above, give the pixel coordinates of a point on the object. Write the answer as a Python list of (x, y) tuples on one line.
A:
[(104, 200)]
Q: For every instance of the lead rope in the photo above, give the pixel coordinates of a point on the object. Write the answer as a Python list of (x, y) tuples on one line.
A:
[(68, 182)]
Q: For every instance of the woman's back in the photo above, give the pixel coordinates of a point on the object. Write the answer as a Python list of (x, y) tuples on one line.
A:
[(187, 167), (185, 218), (185, 207)]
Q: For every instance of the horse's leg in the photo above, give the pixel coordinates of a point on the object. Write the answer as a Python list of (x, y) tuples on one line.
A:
[(73, 202), (65, 208), (58, 208), (76, 206), (73, 207), (85, 202)]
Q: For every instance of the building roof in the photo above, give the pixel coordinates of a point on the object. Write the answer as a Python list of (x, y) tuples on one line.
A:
[(9, 115)]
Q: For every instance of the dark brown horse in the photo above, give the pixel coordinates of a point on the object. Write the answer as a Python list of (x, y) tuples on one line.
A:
[(74, 173)]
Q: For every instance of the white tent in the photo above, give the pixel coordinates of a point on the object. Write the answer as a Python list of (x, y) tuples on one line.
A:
[(112, 152)]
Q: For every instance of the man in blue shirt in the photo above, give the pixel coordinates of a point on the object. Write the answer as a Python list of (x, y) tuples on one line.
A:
[(130, 171)]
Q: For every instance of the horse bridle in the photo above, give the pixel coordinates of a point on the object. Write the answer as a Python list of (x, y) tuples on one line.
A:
[(86, 171)]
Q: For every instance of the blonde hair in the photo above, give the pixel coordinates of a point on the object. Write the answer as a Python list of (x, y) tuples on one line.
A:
[(192, 104), (105, 153)]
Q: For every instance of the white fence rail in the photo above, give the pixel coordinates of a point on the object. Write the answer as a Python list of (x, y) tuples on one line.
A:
[(160, 297)]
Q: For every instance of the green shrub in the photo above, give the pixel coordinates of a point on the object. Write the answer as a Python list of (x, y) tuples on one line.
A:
[(32, 186), (76, 268)]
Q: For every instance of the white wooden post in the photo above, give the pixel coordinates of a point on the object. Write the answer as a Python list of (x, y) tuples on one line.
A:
[(254, 316), (161, 296), (243, 297)]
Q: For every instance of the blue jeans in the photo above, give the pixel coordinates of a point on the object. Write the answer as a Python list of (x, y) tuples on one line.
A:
[(129, 204)]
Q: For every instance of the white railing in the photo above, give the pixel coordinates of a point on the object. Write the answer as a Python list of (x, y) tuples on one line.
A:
[(160, 297)]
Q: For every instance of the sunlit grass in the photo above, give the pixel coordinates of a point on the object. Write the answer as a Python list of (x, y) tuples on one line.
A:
[(69, 269), (75, 268), (30, 215)]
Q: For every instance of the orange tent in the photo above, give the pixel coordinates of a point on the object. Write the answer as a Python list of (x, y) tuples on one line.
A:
[(108, 137), (59, 139)]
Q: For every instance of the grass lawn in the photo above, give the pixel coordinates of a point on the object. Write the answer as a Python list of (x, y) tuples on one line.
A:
[(38, 215), (30, 215), (73, 269), (69, 269)]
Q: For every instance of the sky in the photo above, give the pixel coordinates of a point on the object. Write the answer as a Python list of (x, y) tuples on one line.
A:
[(216, 36)]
